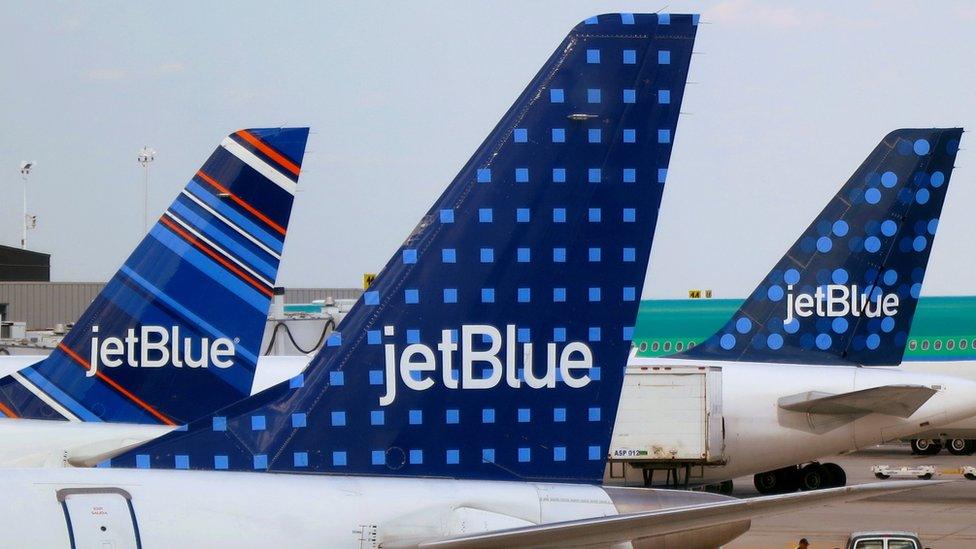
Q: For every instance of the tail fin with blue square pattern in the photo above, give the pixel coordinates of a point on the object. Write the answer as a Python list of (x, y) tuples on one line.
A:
[(493, 343), (846, 292), (174, 335)]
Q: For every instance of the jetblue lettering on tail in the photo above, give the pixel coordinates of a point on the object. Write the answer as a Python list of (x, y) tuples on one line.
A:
[(837, 300), (175, 333), (139, 350), (418, 361)]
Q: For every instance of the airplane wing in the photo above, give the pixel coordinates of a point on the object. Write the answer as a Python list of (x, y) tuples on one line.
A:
[(602, 531), (892, 400)]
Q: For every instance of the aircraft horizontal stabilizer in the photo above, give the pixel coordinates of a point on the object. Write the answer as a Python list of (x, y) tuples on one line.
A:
[(893, 400), (603, 531)]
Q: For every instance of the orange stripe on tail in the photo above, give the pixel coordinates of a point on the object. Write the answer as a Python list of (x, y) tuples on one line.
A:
[(273, 154)]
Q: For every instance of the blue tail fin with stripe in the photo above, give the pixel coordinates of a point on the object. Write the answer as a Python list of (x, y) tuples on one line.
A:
[(846, 292), (493, 343), (174, 335)]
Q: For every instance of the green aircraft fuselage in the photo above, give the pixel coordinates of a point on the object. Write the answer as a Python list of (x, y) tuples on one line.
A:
[(944, 327)]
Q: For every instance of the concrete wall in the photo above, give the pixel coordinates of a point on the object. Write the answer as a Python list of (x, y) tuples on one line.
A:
[(44, 304)]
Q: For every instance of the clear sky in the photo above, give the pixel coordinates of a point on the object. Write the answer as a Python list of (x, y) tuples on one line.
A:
[(787, 99)]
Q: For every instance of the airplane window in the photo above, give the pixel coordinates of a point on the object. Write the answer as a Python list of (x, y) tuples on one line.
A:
[(679, 346), (691, 344), (963, 343), (925, 345), (667, 345), (951, 344), (655, 346), (973, 344), (912, 345), (643, 346), (938, 344)]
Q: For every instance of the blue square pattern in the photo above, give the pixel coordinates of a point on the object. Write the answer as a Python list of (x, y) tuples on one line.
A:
[(556, 95), (559, 453), (630, 293), (338, 418), (630, 95), (487, 295), (449, 255), (521, 135), (261, 461), (142, 461), (484, 175), (411, 296), (485, 215), (594, 215), (452, 416), (416, 417), (593, 414), (521, 175), (593, 334), (373, 337), (559, 255), (409, 256), (664, 97), (524, 415), (378, 457), (337, 379), (630, 255), (594, 135), (416, 457), (627, 18), (662, 175), (447, 216), (376, 377), (628, 333), (593, 95), (339, 459), (377, 417), (594, 294), (630, 175), (594, 255), (488, 415), (630, 57), (219, 423), (453, 457), (558, 135), (524, 255), (559, 295), (371, 298), (220, 462), (593, 453), (334, 340), (524, 295), (300, 459), (594, 175), (488, 455), (522, 215), (630, 136), (182, 461), (413, 336), (450, 295), (559, 335), (664, 136), (559, 215), (664, 19), (559, 175), (559, 415), (630, 215), (524, 335), (297, 382), (663, 57), (487, 255), (299, 420), (592, 56), (524, 455)]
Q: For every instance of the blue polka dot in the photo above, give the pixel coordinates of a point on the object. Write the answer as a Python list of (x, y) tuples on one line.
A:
[(933, 226), (888, 324), (839, 325), (792, 326), (872, 244), (727, 341), (823, 341), (904, 148), (938, 178), (922, 196), (891, 277), (889, 179), (839, 276), (921, 147), (873, 341), (919, 243), (840, 228), (743, 325), (775, 293), (916, 290), (824, 244), (774, 341), (872, 196), (792, 276), (889, 228)]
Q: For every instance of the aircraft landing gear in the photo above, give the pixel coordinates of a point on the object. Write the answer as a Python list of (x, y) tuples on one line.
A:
[(812, 476), (961, 446), (925, 446)]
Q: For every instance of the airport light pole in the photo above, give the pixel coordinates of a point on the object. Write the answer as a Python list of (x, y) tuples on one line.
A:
[(25, 170), (146, 156)]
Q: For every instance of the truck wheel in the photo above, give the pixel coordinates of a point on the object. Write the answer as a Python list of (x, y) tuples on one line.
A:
[(970, 476), (811, 477), (926, 476), (961, 447), (882, 476), (834, 475), (925, 446)]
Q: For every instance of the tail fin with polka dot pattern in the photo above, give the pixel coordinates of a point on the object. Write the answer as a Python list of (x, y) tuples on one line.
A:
[(846, 292), (493, 343)]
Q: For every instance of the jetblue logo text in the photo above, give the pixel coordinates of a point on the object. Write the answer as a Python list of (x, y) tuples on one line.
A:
[(418, 363), (155, 347), (834, 300)]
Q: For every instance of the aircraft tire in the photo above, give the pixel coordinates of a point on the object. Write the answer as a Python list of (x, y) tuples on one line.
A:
[(812, 477), (925, 446), (835, 475), (961, 447)]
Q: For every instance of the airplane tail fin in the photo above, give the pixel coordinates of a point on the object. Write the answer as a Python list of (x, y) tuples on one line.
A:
[(847, 290), (493, 343), (175, 333)]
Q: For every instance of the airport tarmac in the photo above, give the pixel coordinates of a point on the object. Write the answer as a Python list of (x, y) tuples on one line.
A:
[(944, 516)]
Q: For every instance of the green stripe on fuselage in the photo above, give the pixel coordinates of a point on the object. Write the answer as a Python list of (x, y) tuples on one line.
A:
[(944, 327)]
